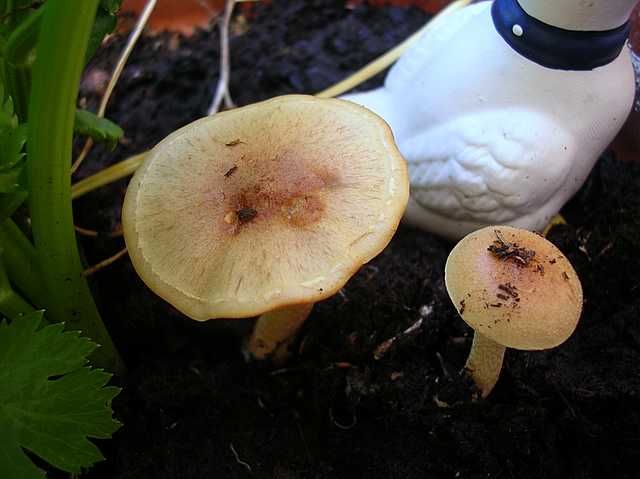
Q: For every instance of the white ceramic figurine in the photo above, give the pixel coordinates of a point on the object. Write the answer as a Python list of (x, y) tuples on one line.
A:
[(503, 109)]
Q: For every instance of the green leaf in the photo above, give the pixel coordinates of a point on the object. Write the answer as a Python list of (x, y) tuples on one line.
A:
[(10, 202), (8, 118), (19, 55), (100, 129), (12, 159), (12, 305), (12, 142), (6, 121), (10, 181), (111, 6), (104, 24), (15, 12), (50, 400)]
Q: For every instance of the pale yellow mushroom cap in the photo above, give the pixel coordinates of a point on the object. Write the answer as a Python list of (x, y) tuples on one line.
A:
[(265, 206), (514, 287)]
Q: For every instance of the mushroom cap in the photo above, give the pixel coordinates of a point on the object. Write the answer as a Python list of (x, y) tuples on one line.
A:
[(514, 287), (265, 206)]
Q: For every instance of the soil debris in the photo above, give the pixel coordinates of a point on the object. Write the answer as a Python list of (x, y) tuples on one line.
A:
[(510, 289), (506, 251), (246, 214)]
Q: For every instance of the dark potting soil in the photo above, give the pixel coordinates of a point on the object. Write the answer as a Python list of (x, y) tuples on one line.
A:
[(191, 406)]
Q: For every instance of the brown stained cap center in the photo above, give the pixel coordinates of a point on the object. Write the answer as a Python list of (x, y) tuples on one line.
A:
[(302, 210), (289, 190)]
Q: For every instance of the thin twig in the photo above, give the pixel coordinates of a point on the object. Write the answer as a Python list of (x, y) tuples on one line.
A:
[(86, 232), (115, 76), (383, 348), (238, 460), (103, 264), (222, 90), (205, 5), (86, 148), (296, 416), (107, 175), (344, 427), (94, 234)]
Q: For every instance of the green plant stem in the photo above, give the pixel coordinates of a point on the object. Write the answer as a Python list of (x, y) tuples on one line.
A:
[(64, 32), (12, 305), (21, 262)]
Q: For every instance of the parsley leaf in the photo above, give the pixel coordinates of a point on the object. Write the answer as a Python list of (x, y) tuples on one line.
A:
[(13, 190), (50, 400)]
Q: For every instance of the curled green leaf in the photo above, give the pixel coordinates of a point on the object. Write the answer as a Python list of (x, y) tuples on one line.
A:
[(100, 129)]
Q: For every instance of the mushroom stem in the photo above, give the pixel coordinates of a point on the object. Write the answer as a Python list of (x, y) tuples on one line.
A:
[(274, 331), (485, 362)]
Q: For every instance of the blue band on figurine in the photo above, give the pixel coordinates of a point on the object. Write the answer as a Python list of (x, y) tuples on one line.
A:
[(554, 47)]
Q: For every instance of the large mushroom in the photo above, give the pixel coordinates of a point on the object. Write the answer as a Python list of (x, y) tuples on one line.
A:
[(265, 210), (516, 290)]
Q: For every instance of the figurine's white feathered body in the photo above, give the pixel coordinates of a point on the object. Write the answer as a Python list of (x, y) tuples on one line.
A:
[(490, 136)]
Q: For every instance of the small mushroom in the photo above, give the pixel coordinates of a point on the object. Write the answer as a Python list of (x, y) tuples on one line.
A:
[(265, 210), (516, 290)]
